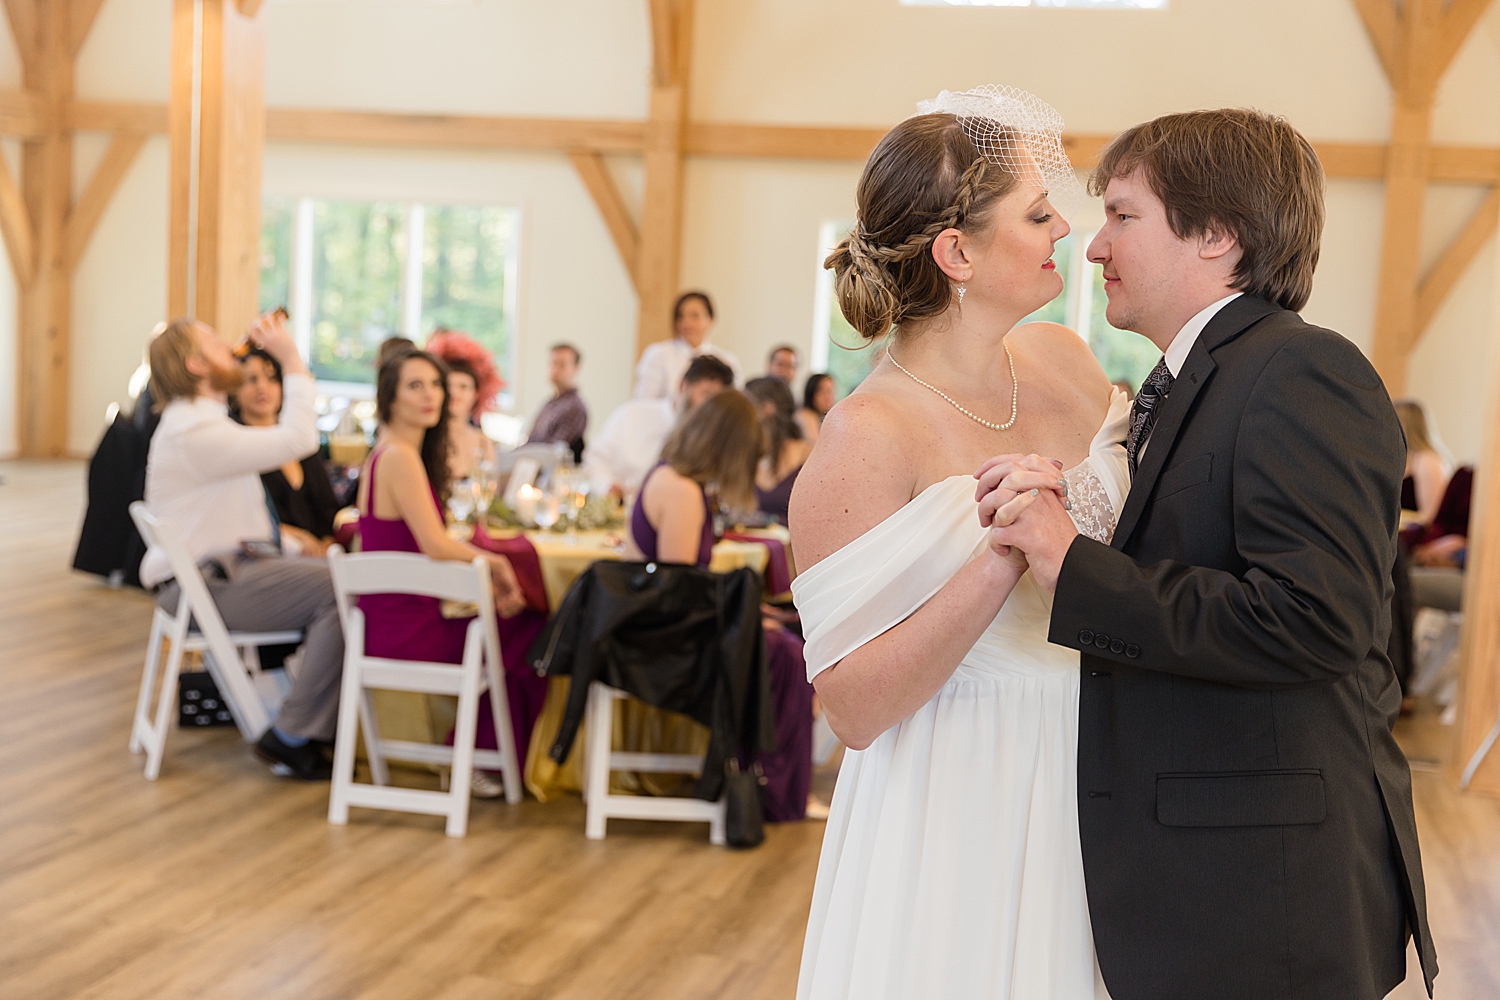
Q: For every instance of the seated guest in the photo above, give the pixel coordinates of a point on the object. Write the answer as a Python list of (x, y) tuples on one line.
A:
[(1427, 471), (663, 363), (302, 492), (782, 363), (716, 446), (817, 400), (389, 346), (401, 497), (473, 385), (563, 418), (203, 477), (786, 450), (631, 441)]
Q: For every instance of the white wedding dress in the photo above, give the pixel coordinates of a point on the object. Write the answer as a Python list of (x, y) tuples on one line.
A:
[(951, 865)]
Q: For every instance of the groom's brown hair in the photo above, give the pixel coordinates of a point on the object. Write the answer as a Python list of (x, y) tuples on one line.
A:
[(1234, 169)]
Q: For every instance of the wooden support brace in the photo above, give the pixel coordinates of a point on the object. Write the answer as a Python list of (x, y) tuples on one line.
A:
[(85, 214), (1383, 28), (1458, 20), (1440, 280), (25, 28), (15, 224), (601, 187), (82, 19)]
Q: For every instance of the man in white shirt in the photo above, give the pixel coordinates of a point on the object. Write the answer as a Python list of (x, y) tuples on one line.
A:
[(663, 364), (630, 443), (203, 477)]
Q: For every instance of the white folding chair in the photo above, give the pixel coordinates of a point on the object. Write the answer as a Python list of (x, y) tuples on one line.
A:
[(232, 658), (545, 455), (408, 573), (600, 758)]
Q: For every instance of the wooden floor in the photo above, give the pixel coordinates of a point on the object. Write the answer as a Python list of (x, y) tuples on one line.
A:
[(220, 881)]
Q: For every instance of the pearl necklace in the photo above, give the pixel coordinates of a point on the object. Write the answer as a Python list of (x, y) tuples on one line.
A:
[(1015, 389)]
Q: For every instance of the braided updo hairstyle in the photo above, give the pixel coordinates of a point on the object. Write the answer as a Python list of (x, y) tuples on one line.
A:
[(925, 176)]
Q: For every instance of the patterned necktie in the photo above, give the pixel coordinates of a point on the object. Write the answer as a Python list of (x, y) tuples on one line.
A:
[(1143, 413)]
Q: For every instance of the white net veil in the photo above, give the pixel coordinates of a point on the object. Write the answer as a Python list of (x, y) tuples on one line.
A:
[(1019, 132)]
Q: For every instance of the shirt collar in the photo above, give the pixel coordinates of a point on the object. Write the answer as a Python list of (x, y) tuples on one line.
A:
[(1177, 350)]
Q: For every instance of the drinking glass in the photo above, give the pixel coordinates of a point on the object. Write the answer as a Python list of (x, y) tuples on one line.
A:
[(461, 505), (547, 511)]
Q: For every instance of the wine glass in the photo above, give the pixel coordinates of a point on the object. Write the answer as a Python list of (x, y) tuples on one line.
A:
[(461, 505), (560, 491), (547, 511)]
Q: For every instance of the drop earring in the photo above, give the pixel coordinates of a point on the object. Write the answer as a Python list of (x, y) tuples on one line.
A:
[(961, 289)]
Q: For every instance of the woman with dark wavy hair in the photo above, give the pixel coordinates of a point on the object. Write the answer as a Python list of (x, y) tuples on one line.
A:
[(401, 496)]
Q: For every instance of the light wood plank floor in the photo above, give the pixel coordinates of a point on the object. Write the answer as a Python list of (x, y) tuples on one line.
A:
[(220, 881)]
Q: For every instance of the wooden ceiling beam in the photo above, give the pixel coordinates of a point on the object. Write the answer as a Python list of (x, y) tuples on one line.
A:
[(1439, 281), (25, 29), (22, 114), (453, 131), (1458, 21)]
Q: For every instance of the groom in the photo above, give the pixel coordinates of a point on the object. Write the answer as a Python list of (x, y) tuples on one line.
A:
[(1245, 814)]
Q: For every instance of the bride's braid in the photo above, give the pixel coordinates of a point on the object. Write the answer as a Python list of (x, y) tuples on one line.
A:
[(881, 285)]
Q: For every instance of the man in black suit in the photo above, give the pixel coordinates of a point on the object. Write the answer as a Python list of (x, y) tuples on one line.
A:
[(1246, 816)]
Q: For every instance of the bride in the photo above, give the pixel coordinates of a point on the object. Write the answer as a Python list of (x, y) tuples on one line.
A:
[(951, 865)]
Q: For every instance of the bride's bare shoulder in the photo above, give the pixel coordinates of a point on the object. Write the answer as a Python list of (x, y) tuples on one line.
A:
[(1059, 355), (860, 472)]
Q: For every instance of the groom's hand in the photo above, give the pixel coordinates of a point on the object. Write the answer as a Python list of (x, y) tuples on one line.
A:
[(1044, 532)]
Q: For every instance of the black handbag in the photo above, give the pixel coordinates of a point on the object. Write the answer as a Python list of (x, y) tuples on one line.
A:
[(199, 702), (744, 823)]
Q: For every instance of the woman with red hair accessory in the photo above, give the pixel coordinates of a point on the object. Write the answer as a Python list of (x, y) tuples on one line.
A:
[(473, 383)]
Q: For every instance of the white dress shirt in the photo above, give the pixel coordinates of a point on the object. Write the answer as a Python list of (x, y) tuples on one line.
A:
[(1177, 350), (659, 373), (203, 472), (630, 444)]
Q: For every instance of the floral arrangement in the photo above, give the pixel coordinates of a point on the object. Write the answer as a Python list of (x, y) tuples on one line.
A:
[(598, 514), (455, 345)]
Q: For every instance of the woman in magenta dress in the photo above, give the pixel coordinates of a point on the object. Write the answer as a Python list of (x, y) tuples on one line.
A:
[(719, 444), (401, 510)]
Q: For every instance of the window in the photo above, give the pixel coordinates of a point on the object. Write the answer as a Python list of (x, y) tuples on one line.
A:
[(353, 273), (1094, 4), (1125, 356)]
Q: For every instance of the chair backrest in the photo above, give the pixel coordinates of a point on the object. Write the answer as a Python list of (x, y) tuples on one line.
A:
[(1453, 513), (360, 573), (546, 455), (244, 701)]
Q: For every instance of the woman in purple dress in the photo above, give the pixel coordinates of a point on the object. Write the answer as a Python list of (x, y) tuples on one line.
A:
[(787, 446), (401, 498), (717, 446)]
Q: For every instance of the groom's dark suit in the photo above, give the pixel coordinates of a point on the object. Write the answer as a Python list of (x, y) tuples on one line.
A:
[(1246, 815)]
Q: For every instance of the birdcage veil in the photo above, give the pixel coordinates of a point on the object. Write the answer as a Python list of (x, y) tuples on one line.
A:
[(1019, 132)]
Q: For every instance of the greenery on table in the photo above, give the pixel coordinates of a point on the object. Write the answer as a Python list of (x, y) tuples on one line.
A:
[(598, 514)]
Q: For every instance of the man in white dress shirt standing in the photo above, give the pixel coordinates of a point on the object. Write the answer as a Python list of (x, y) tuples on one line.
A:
[(664, 363), (630, 443), (203, 476)]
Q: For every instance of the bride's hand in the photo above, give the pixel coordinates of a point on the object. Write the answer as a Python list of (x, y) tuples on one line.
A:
[(1004, 476), (1009, 507)]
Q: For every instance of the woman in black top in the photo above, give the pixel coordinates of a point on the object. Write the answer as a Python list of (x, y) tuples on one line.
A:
[(301, 491)]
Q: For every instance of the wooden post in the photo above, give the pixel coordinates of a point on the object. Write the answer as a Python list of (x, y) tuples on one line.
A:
[(660, 247), (214, 252), (1479, 655)]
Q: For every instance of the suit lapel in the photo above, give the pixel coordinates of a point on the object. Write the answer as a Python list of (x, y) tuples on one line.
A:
[(1231, 321)]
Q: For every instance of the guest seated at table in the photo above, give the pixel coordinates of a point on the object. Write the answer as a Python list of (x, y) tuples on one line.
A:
[(473, 384), (301, 491), (663, 363), (717, 446), (389, 346), (401, 497), (817, 400), (1427, 470), (782, 363), (563, 418), (631, 441), (786, 450), (203, 478)]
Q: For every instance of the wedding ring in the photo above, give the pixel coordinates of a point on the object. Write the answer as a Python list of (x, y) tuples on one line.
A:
[(1036, 492)]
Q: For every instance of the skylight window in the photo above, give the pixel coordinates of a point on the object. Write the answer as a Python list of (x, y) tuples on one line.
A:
[(1092, 4)]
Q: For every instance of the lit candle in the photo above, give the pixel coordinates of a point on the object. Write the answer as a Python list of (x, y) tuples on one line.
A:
[(526, 500)]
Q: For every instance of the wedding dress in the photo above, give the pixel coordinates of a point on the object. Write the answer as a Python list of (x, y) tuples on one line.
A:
[(951, 865)]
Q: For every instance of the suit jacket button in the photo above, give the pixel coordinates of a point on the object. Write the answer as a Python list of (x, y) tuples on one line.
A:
[(1132, 651), (1101, 640), (1085, 638), (1118, 646)]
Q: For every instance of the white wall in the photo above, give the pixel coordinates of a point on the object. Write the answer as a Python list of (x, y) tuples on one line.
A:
[(751, 226)]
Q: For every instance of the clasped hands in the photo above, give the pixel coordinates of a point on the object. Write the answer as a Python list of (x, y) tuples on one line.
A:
[(1023, 500)]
